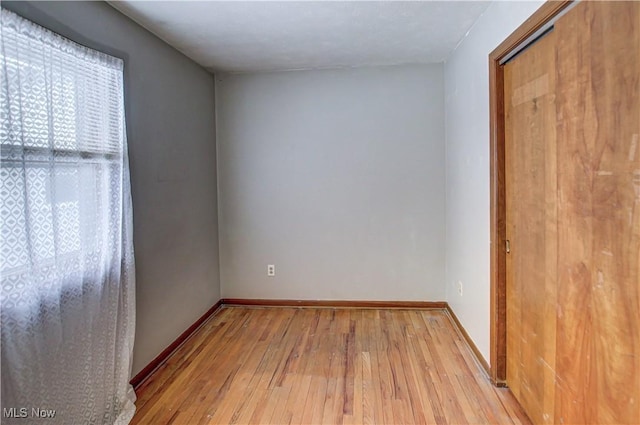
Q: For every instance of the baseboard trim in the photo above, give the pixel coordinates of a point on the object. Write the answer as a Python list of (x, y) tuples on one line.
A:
[(335, 303), (470, 343), (148, 370)]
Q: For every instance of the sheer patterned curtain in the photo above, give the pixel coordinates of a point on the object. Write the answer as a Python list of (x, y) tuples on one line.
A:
[(67, 272)]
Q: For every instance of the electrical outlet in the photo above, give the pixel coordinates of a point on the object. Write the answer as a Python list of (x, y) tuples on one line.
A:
[(271, 270), (460, 288)]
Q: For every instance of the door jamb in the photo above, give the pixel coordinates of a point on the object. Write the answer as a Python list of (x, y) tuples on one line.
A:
[(498, 263)]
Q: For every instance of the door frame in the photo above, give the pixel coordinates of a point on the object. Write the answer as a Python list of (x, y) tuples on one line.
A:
[(498, 224)]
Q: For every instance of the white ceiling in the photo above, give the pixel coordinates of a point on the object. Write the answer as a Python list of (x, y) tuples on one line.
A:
[(244, 36)]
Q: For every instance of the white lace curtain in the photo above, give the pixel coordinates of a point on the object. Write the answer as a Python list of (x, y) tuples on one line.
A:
[(67, 272)]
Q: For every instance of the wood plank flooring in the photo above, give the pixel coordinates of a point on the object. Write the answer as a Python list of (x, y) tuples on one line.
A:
[(324, 366)]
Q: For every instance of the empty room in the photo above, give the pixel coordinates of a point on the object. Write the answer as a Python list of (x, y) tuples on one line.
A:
[(320, 212)]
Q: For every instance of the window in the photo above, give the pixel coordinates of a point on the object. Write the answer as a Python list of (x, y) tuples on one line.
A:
[(67, 273), (62, 146)]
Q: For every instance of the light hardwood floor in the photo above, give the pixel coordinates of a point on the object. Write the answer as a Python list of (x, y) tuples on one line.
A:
[(324, 365)]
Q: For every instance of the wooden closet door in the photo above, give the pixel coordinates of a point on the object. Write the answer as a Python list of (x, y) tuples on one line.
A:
[(598, 110), (572, 152), (532, 226)]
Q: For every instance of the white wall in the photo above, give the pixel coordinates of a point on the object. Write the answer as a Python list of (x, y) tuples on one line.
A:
[(467, 165), (337, 178)]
